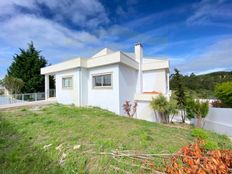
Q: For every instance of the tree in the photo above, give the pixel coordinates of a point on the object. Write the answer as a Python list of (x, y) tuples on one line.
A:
[(26, 66), (1, 82), (198, 110), (12, 84), (180, 93), (172, 109), (223, 92)]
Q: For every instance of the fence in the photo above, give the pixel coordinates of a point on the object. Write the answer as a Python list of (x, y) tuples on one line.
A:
[(27, 97), (219, 120)]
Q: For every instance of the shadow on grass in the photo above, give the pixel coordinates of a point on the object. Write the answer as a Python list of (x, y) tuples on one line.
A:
[(18, 155)]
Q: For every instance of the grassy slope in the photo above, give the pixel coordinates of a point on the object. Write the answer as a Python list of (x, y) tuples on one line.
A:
[(23, 133)]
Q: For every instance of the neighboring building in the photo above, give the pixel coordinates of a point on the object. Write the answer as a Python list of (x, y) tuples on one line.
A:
[(108, 79), (3, 90)]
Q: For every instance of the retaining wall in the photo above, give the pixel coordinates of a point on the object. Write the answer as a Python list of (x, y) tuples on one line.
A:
[(219, 120)]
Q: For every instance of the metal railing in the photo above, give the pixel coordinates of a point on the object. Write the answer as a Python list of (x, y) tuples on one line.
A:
[(27, 97)]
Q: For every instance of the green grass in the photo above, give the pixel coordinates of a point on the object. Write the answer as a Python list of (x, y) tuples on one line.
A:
[(24, 133)]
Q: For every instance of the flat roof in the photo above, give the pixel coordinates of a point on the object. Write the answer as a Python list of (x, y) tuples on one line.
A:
[(111, 58)]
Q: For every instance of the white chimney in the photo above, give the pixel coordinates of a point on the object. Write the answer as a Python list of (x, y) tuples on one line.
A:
[(139, 59), (139, 52)]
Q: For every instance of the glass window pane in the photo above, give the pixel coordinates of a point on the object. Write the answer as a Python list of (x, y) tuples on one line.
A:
[(67, 82), (107, 80), (97, 81)]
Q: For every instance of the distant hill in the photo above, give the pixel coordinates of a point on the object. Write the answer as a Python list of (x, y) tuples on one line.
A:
[(202, 86)]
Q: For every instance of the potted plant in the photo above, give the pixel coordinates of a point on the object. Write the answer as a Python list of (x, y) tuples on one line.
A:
[(197, 111)]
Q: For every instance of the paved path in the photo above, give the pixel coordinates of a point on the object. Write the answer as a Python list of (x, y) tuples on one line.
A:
[(28, 104)]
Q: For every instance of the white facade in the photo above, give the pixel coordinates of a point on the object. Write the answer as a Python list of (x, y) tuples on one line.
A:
[(106, 98), (110, 78)]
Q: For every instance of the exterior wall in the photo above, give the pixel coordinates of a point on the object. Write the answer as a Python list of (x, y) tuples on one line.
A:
[(105, 98), (84, 75), (219, 120), (127, 85), (145, 112), (155, 80), (68, 96)]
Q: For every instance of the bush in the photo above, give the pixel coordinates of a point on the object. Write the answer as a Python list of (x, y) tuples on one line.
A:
[(198, 110), (217, 104), (130, 108), (199, 133), (223, 92), (210, 143), (164, 107)]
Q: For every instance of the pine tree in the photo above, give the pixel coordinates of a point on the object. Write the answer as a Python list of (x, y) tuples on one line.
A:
[(180, 94), (26, 66)]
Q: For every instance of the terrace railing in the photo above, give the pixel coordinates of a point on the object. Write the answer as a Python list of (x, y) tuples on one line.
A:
[(27, 97)]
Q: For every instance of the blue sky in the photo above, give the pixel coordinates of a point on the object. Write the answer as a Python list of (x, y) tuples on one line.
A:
[(196, 36)]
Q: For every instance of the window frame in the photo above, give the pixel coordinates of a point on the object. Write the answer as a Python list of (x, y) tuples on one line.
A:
[(101, 75), (66, 77)]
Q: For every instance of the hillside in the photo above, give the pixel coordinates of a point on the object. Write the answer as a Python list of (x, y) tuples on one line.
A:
[(202, 86), (61, 139)]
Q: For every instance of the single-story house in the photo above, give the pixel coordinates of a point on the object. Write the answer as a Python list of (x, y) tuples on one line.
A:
[(108, 79)]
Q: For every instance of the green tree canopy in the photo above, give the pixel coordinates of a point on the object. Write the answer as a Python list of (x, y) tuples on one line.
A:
[(179, 92), (26, 66), (223, 92), (12, 84), (201, 86)]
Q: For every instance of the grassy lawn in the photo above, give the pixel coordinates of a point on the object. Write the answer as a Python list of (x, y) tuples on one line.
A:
[(29, 137)]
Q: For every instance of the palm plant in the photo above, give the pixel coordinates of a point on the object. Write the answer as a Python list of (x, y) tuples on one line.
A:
[(164, 108)]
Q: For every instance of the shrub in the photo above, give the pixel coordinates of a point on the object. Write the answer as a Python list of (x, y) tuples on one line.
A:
[(217, 104), (209, 144), (130, 108), (198, 110), (12, 84), (199, 133), (223, 92), (164, 107)]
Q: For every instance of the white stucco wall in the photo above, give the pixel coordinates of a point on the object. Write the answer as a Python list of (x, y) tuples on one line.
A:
[(84, 76), (219, 120), (67, 96), (127, 85), (145, 112), (155, 80), (105, 98)]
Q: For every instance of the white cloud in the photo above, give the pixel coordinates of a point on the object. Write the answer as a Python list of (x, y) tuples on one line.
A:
[(207, 11), (211, 70), (9, 7), (84, 13), (46, 32), (215, 56), (56, 41)]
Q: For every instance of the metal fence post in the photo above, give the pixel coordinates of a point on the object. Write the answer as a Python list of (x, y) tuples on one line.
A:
[(35, 96)]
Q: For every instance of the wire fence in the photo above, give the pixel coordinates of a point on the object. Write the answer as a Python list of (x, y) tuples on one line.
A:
[(27, 97)]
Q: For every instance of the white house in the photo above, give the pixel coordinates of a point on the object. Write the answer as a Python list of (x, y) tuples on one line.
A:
[(108, 79)]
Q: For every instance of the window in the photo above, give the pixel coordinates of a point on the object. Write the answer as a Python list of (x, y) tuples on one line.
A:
[(67, 82), (104, 80)]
